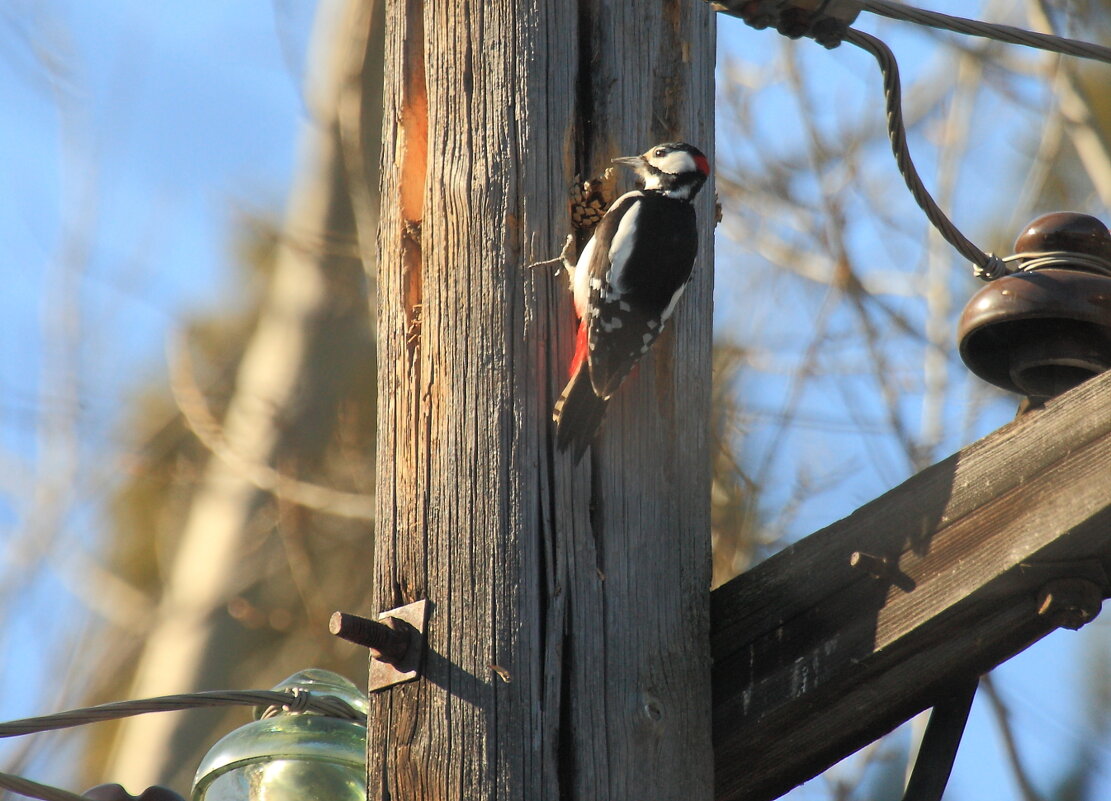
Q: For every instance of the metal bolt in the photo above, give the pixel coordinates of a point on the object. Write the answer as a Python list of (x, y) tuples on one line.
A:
[(1069, 602), (878, 567), (388, 640), (883, 568)]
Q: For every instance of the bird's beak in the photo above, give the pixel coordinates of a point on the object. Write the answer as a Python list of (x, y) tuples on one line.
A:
[(630, 161)]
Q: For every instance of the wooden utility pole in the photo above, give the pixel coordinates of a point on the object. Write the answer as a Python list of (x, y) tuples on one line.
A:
[(568, 647)]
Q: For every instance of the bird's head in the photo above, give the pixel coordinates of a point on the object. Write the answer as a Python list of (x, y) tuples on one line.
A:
[(675, 169)]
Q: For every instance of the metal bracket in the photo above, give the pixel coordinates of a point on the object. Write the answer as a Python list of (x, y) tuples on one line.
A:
[(413, 619)]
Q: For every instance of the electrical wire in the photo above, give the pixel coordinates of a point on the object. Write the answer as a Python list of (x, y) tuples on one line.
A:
[(986, 266), (17, 784), (988, 30), (829, 26), (295, 701), (829, 22), (1041, 260)]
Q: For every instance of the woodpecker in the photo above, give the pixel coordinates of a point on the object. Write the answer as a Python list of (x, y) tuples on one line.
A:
[(627, 281)]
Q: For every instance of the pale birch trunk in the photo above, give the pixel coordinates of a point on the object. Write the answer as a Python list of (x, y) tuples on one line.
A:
[(286, 369)]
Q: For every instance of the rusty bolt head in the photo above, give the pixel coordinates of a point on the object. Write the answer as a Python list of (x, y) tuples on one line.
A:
[(878, 567), (1069, 602), (387, 640)]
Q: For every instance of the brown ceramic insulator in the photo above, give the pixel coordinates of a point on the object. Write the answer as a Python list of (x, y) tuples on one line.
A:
[(1038, 333), (1065, 230), (1043, 332)]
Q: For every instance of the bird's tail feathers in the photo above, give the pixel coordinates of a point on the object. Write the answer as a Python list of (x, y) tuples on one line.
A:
[(578, 413)]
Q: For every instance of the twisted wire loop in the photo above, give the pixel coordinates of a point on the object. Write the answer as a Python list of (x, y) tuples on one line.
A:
[(988, 30), (995, 267), (1040, 260), (987, 266), (17, 784), (295, 702)]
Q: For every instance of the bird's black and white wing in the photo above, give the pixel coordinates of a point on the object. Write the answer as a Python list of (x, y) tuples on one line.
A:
[(636, 274)]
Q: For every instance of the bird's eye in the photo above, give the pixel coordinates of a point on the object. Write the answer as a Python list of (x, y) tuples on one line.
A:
[(660, 152)]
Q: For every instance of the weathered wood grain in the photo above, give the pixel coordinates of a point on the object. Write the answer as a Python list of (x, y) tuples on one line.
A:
[(813, 658), (569, 636)]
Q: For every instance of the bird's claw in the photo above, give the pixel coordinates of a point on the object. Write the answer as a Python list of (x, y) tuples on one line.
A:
[(563, 260)]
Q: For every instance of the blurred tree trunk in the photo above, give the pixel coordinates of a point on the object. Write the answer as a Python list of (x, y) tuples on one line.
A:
[(568, 638), (284, 401)]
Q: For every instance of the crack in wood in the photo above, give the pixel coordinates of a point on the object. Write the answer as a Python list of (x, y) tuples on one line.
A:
[(414, 169)]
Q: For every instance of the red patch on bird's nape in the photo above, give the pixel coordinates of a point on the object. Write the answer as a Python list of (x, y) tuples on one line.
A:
[(702, 163), (581, 347)]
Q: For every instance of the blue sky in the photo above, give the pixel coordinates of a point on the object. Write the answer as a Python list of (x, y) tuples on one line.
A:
[(133, 133), (135, 130), (161, 121)]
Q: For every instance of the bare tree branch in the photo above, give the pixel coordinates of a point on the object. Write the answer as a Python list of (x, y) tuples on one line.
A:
[(1090, 141), (1010, 745), (194, 410)]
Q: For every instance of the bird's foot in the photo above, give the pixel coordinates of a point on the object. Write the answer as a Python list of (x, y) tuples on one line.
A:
[(563, 261)]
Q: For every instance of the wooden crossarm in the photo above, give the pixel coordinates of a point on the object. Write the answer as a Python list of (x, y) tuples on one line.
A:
[(957, 569)]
